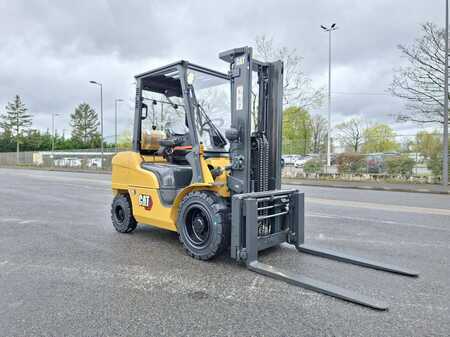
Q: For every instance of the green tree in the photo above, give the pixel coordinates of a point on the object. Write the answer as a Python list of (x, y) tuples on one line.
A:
[(15, 120), (297, 131), (402, 165), (34, 140), (428, 144), (435, 164), (125, 138), (431, 148), (84, 123), (7, 143), (312, 166), (380, 138)]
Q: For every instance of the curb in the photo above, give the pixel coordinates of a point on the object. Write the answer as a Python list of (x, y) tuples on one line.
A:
[(362, 187)]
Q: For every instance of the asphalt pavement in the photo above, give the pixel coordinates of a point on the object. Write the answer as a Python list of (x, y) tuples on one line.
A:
[(64, 271)]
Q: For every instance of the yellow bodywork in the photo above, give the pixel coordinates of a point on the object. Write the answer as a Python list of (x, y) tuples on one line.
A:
[(130, 178)]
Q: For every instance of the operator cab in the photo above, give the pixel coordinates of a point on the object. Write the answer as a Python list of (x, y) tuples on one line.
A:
[(183, 108), (165, 111)]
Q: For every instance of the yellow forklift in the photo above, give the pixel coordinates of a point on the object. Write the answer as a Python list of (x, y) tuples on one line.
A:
[(206, 163)]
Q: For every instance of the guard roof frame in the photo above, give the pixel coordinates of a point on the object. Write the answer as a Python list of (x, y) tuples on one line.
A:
[(183, 63)]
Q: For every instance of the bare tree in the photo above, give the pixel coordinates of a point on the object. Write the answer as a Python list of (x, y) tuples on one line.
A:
[(319, 133), (297, 87), (421, 83), (350, 134)]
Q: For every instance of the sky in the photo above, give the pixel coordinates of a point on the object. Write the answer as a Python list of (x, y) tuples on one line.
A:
[(50, 50)]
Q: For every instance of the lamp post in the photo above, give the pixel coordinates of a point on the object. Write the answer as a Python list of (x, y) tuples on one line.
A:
[(117, 100), (329, 30), (53, 132), (101, 115), (445, 140)]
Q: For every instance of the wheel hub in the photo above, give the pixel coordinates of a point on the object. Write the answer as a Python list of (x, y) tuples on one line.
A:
[(120, 214), (198, 227)]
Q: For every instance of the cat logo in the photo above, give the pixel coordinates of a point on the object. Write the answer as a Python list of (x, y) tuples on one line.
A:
[(145, 201)]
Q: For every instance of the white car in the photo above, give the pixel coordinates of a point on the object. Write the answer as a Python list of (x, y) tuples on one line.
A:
[(302, 161), (290, 159)]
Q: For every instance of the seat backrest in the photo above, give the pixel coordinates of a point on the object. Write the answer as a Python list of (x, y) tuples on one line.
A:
[(170, 176), (150, 139)]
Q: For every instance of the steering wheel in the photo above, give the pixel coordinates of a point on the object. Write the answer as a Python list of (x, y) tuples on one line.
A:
[(167, 145)]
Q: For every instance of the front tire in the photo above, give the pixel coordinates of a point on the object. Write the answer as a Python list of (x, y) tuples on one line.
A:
[(203, 224), (122, 214)]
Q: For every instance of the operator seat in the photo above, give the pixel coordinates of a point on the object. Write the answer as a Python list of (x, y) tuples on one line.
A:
[(177, 173), (151, 138)]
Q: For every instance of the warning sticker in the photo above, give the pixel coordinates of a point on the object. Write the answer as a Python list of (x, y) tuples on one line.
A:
[(239, 97)]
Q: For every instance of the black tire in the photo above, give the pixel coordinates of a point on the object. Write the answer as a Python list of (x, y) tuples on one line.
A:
[(122, 214), (203, 224)]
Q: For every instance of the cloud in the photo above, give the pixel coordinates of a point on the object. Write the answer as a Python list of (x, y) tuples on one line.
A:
[(51, 49)]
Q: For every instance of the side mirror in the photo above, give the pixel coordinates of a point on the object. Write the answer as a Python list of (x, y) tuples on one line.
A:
[(144, 111)]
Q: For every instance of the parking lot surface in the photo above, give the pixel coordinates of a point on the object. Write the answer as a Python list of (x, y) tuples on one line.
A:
[(64, 271)]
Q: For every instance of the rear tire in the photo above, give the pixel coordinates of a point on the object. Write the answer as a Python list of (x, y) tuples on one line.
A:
[(122, 214), (203, 224)]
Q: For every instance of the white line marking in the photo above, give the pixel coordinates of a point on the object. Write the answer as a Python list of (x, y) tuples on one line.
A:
[(10, 220), (321, 237), (387, 222), (383, 207), (24, 222)]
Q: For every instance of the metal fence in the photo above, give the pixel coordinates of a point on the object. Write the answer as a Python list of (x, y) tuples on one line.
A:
[(91, 159), (85, 159), (12, 158)]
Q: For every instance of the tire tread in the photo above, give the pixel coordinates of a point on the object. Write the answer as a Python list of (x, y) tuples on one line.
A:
[(220, 242)]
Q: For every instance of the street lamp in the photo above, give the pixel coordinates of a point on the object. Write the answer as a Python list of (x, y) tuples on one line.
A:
[(117, 100), (101, 115), (53, 132), (329, 30), (445, 140)]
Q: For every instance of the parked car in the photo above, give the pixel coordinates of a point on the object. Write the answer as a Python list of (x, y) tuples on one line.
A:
[(302, 161), (290, 159)]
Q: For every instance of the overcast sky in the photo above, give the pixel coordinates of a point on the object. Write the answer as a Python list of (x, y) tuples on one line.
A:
[(49, 50)]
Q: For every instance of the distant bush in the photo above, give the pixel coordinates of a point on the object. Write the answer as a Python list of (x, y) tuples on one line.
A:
[(312, 166), (351, 162), (435, 164), (402, 165)]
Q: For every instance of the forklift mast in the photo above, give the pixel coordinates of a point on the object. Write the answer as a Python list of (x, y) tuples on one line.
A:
[(264, 215), (255, 150)]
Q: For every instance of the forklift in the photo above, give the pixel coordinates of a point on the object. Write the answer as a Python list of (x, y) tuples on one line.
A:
[(206, 163)]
